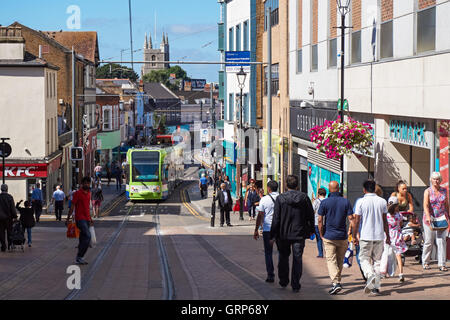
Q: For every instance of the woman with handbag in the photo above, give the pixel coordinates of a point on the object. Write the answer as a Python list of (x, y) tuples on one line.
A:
[(435, 222)]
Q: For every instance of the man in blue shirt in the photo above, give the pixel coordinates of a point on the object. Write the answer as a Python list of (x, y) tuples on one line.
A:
[(58, 200), (36, 201), (203, 186), (335, 210)]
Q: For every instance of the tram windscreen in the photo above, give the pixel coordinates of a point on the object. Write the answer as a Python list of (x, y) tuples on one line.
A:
[(145, 166)]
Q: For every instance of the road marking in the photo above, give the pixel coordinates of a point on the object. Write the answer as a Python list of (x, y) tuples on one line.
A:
[(188, 206)]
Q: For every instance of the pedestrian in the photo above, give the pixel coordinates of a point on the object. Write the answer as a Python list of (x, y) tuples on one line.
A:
[(58, 202), (37, 200), (80, 204), (252, 200), (203, 186), (227, 183), (265, 216), (369, 230), (293, 222), (98, 172), (108, 174), (405, 201), (27, 219), (395, 221), (225, 204), (118, 177), (7, 215), (201, 171), (435, 205), (97, 198), (316, 204), (335, 210)]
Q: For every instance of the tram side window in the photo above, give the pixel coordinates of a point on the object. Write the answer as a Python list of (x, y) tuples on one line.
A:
[(127, 173)]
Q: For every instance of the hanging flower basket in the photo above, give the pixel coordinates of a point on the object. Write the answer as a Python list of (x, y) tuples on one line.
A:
[(336, 138)]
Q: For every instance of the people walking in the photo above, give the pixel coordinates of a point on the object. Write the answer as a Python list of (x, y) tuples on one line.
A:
[(81, 205), (97, 198), (98, 173), (395, 221), (335, 210), (108, 174), (26, 219), (316, 204), (201, 171), (225, 204), (227, 182), (7, 215), (371, 214), (405, 201), (265, 216), (203, 186), (37, 201), (293, 222), (252, 200), (118, 176), (58, 202), (435, 205)]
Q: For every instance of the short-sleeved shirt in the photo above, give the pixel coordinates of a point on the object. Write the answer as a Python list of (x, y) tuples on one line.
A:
[(59, 195), (82, 201), (336, 209), (203, 180), (37, 195), (371, 209), (316, 206), (266, 205)]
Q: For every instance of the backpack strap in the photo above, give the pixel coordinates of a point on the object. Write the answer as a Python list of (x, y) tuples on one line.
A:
[(271, 198)]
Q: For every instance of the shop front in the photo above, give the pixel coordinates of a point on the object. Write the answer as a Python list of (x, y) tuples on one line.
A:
[(313, 168), (106, 142), (230, 157)]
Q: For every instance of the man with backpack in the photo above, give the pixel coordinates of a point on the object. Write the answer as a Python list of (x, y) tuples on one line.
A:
[(7, 215), (293, 222), (265, 216)]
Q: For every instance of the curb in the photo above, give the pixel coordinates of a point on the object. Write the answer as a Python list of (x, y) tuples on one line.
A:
[(112, 204)]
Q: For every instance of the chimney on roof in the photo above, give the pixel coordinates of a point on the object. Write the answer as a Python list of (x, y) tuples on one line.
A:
[(12, 44)]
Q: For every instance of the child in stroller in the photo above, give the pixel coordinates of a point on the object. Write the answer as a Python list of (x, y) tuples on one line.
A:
[(412, 234)]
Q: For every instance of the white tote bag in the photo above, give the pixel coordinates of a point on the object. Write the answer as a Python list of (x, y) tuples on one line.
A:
[(93, 237)]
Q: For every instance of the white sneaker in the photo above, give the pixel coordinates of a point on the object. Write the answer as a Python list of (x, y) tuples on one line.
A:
[(81, 261), (370, 284)]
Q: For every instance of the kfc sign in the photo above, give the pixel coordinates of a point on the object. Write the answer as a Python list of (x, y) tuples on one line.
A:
[(25, 170)]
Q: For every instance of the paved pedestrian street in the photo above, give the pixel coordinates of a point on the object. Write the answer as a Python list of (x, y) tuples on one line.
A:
[(168, 250)]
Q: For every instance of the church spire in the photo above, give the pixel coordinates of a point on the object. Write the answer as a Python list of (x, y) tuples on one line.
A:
[(146, 42), (150, 45)]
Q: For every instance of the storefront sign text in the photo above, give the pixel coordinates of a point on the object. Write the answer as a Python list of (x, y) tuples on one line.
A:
[(29, 171), (409, 132)]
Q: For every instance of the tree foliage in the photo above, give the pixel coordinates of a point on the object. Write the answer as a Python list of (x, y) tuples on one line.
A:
[(163, 76), (114, 70)]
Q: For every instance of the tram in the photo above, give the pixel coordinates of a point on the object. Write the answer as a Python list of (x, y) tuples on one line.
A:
[(152, 173)]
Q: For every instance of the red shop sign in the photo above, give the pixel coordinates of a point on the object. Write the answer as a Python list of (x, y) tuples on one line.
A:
[(24, 170)]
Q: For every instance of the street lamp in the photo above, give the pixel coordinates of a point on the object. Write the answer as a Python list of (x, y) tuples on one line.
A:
[(241, 75), (344, 8)]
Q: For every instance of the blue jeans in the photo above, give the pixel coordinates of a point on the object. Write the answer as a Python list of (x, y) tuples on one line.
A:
[(29, 235), (319, 241), (85, 237), (268, 249)]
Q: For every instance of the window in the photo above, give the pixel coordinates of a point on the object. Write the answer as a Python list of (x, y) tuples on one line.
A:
[(356, 47), (153, 59), (246, 110), (274, 87), (332, 53), (314, 58), (107, 119), (145, 166), (299, 61), (246, 44), (426, 30), (231, 39), (238, 37), (273, 4), (386, 41)]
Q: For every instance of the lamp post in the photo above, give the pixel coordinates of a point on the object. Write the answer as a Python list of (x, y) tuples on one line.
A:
[(241, 75), (344, 8)]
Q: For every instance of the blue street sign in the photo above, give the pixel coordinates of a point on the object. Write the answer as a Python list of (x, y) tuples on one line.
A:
[(240, 59)]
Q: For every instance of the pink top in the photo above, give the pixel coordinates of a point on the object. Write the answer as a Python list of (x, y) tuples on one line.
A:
[(437, 204)]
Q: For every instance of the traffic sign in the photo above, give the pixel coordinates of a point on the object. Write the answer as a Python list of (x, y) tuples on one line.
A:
[(5, 149), (76, 154), (239, 59)]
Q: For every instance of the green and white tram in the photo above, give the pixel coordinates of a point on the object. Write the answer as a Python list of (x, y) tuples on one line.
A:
[(153, 172)]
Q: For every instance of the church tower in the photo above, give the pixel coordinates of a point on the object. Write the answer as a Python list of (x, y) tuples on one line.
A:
[(153, 55)]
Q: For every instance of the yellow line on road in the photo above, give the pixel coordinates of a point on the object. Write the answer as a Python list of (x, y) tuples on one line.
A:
[(190, 209)]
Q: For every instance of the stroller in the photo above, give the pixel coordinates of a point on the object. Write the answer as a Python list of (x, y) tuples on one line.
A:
[(414, 250), (17, 237)]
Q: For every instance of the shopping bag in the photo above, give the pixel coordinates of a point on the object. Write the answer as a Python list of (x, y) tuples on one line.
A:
[(245, 207), (93, 237), (236, 206), (348, 257), (392, 262), (72, 231), (51, 209), (384, 260)]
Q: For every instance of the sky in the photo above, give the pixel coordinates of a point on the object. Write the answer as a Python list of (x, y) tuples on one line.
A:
[(191, 26)]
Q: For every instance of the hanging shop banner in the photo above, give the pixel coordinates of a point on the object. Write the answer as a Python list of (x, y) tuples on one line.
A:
[(303, 120), (413, 133)]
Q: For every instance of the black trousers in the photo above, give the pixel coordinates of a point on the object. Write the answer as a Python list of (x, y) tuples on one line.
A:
[(37, 207), (224, 213), (59, 207), (284, 251), (5, 230), (204, 190)]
